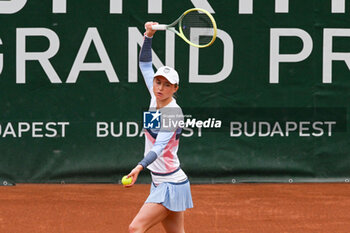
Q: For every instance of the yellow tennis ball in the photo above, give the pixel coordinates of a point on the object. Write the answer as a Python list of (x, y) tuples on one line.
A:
[(126, 181)]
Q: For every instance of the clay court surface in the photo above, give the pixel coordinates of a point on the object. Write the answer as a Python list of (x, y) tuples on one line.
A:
[(243, 208)]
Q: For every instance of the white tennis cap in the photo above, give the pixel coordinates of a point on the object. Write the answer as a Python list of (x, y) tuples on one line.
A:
[(169, 73)]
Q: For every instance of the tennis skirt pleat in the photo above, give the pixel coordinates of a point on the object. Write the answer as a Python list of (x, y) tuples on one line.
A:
[(173, 196)]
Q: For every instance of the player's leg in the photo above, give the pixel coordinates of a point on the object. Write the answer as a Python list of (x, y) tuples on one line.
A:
[(174, 222), (149, 215)]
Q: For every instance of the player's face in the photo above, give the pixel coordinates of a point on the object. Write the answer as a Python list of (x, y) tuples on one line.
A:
[(162, 88)]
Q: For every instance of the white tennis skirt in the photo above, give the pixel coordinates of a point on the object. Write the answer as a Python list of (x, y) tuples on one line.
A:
[(174, 196)]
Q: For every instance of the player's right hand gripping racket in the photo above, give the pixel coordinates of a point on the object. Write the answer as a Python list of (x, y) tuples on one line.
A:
[(195, 26)]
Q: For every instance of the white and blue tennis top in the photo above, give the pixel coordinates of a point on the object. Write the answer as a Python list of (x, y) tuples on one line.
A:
[(161, 145)]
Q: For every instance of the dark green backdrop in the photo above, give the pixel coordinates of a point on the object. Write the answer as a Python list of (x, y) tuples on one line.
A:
[(81, 156)]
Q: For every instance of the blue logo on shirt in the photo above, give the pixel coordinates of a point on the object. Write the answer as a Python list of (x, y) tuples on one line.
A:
[(151, 120)]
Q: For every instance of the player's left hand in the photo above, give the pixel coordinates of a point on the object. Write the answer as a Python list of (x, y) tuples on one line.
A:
[(134, 174)]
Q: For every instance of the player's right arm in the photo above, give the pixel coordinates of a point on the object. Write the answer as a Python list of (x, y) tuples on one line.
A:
[(145, 59), (145, 63)]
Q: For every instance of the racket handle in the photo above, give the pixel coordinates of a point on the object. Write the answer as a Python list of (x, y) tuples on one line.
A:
[(159, 27)]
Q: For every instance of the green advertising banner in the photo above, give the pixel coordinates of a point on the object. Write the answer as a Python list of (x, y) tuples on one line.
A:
[(268, 101)]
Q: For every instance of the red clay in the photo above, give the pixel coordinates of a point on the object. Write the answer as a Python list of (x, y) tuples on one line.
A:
[(241, 208)]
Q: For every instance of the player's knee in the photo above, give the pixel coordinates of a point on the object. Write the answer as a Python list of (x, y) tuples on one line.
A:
[(134, 228)]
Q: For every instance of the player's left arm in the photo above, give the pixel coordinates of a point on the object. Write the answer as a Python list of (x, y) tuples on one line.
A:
[(164, 136), (162, 140)]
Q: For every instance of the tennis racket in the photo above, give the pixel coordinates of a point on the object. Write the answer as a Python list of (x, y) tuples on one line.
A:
[(195, 26)]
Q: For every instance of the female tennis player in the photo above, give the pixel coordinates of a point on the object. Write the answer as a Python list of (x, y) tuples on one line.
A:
[(170, 192)]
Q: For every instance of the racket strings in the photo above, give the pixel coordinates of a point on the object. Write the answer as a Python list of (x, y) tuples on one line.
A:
[(197, 28)]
